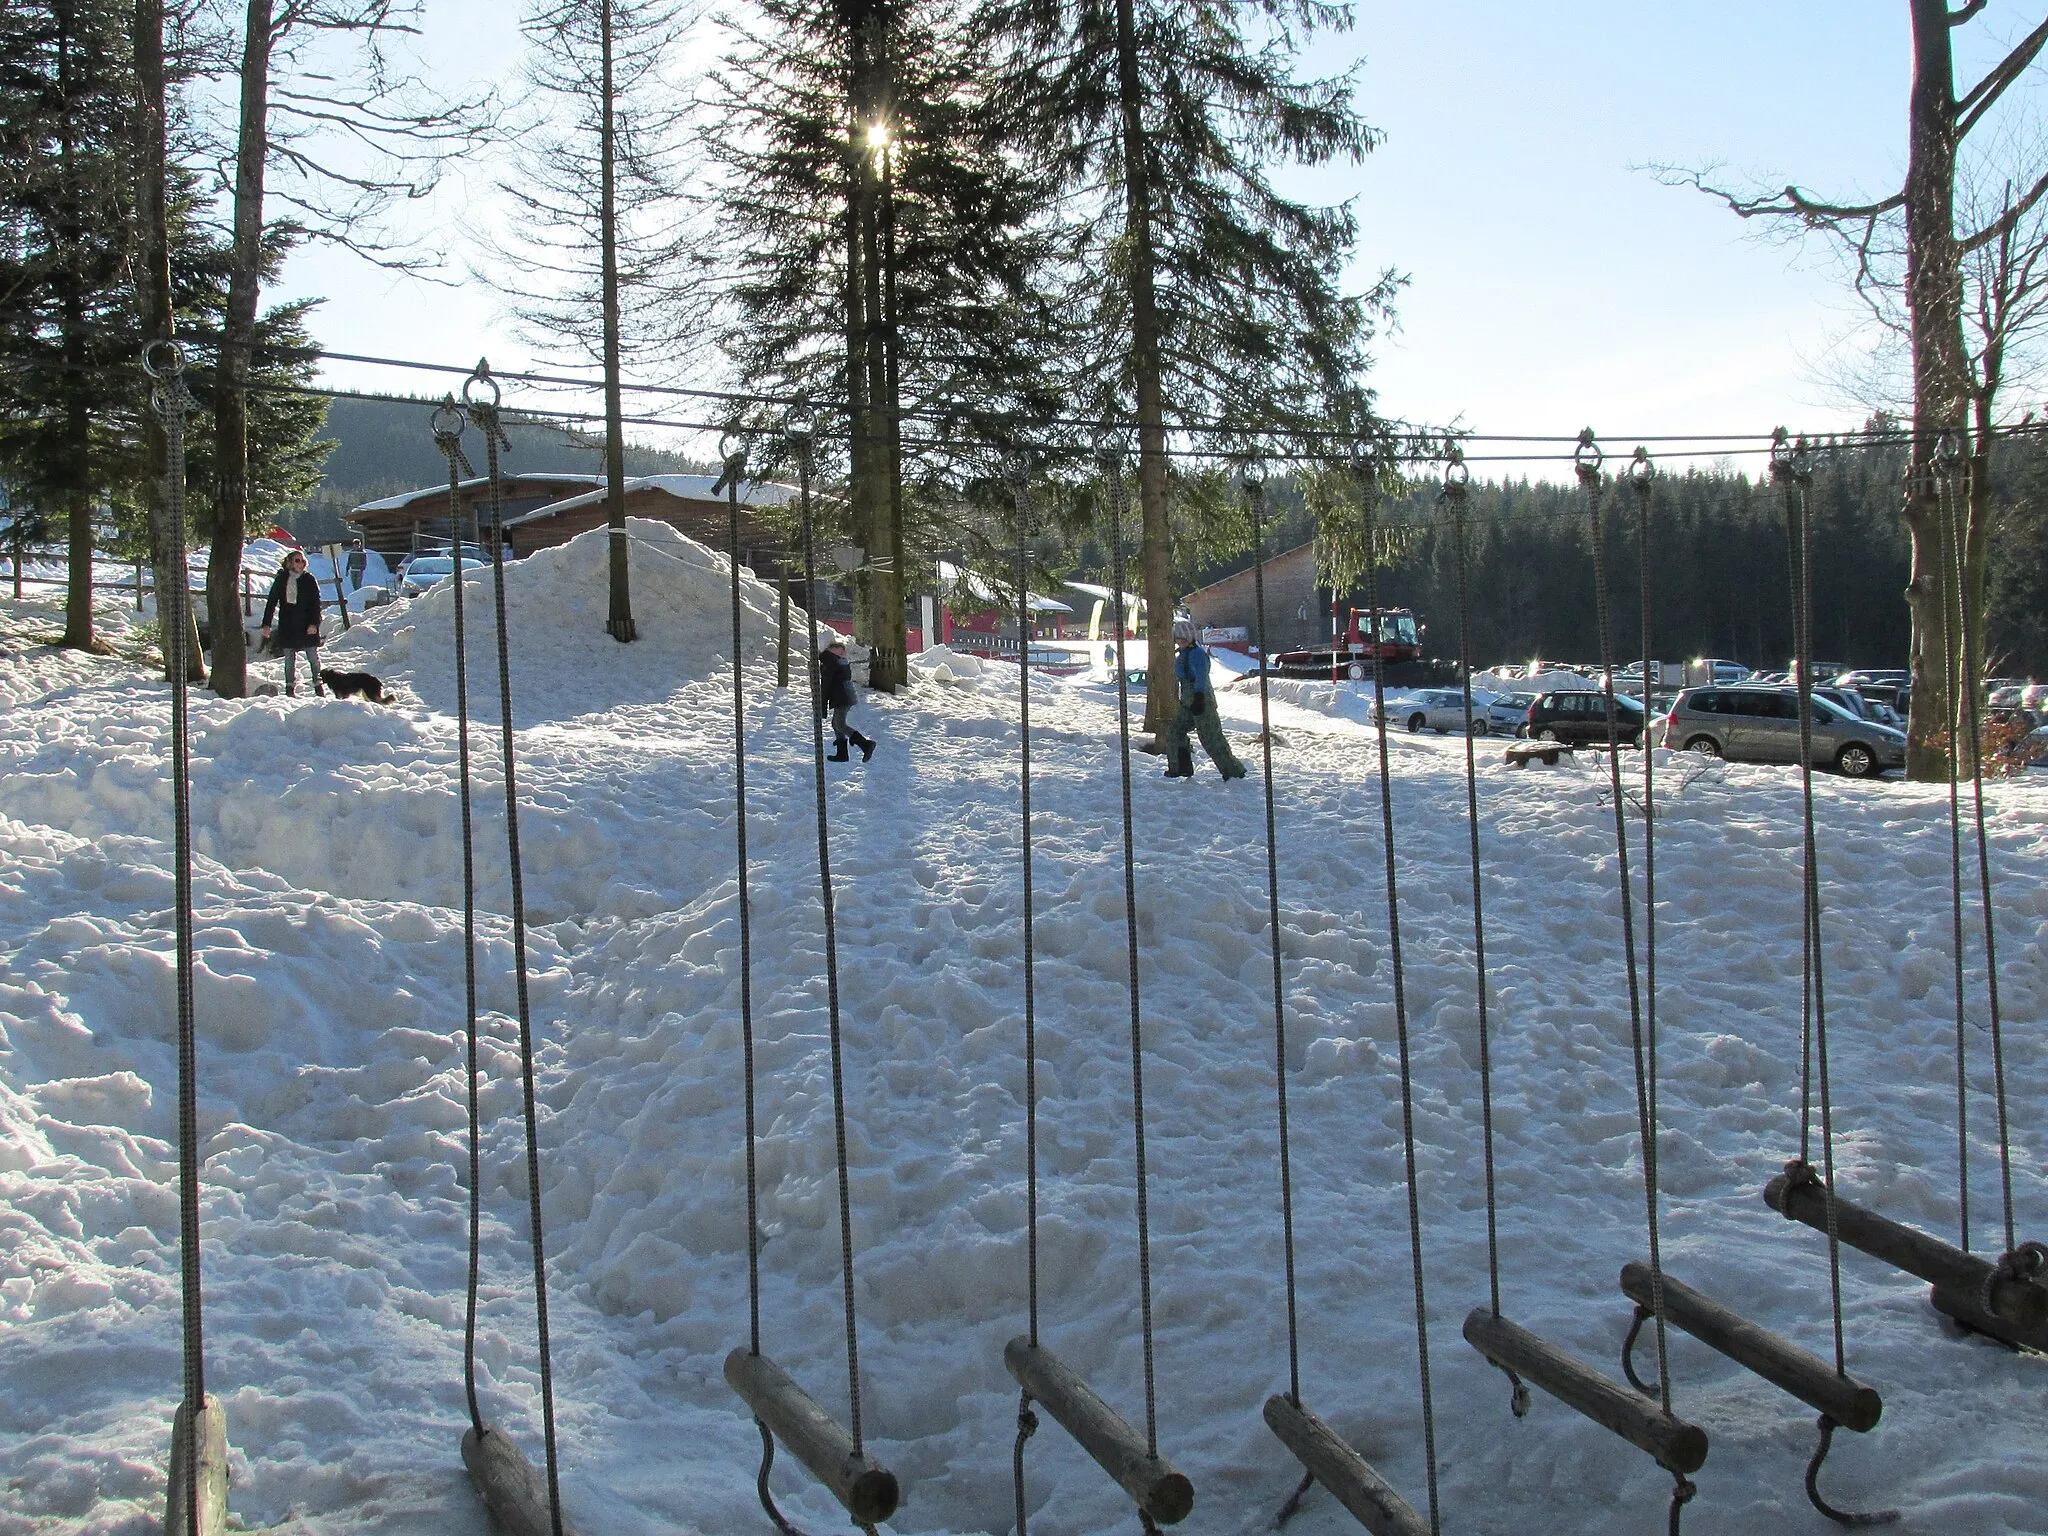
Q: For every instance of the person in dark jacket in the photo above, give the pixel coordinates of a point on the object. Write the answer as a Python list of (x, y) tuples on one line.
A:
[(294, 603), (1197, 711), (836, 697), (358, 564)]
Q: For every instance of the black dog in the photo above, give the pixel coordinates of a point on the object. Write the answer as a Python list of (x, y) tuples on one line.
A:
[(348, 685)]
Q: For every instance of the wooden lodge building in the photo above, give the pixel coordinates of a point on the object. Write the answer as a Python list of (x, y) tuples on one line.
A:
[(1297, 610), (542, 510)]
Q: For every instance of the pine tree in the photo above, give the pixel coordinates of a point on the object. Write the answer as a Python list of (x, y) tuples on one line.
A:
[(1213, 304)]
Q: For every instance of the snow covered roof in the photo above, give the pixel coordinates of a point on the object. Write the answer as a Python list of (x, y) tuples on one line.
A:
[(765, 493), (959, 579), (427, 493), (1132, 602)]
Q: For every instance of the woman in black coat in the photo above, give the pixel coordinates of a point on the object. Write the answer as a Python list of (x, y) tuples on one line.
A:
[(295, 603), (836, 697)]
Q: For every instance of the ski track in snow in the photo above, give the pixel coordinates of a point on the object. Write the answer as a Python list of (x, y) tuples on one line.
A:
[(330, 1002)]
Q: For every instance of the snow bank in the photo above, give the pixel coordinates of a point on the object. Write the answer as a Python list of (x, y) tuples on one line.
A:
[(943, 664)]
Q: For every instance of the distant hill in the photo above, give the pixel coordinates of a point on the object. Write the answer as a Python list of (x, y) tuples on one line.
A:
[(382, 447)]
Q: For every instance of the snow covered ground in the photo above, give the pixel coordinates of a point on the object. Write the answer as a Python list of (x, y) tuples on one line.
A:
[(331, 1016)]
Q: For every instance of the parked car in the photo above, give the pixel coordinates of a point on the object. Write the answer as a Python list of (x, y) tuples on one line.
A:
[(424, 571), (1440, 709), (1722, 671), (1507, 712), (1761, 725), (1580, 715)]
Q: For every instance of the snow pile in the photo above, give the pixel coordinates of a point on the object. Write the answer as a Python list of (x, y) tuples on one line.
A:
[(564, 665), (943, 664), (1493, 683), (334, 1125)]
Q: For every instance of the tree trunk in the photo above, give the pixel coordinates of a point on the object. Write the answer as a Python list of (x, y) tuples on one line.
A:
[(1934, 297), (620, 624), (78, 625), (885, 637), (238, 340), (1156, 551)]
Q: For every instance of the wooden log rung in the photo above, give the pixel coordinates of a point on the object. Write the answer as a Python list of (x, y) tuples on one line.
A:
[(1338, 1467), (1947, 1268), (1118, 1449), (207, 1442), (866, 1488), (1779, 1361), (1675, 1445), (512, 1488), (1967, 1308)]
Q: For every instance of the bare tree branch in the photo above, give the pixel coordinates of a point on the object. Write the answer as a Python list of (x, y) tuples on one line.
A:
[(1976, 101), (1957, 18)]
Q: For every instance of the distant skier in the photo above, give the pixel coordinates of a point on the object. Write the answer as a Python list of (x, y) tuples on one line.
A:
[(358, 563), (295, 603), (1197, 711), (836, 697)]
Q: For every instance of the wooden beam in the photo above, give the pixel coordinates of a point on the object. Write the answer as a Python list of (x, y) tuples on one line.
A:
[(1967, 1308), (1118, 1449), (512, 1488), (867, 1489), (205, 1442), (1342, 1470), (1780, 1362), (2020, 1302), (1675, 1445)]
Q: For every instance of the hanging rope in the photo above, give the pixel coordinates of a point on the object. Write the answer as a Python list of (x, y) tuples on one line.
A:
[(1953, 472), (1792, 468), (164, 363), (485, 414), (832, 994), (1586, 462), (1113, 475), (1027, 1420), (1255, 497), (1457, 480), (1369, 497), (1921, 486), (448, 422)]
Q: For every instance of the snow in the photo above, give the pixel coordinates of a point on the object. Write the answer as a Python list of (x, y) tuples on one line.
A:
[(330, 1002)]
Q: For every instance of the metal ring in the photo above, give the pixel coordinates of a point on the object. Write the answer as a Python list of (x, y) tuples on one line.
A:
[(449, 419), (1588, 455), (1948, 449), (1640, 470), (1457, 473), (169, 369), (481, 375)]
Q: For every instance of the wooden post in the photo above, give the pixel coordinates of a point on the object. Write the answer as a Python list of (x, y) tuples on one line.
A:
[(341, 592), (205, 1443), (246, 595), (512, 1489), (17, 555), (1782, 1363), (1674, 1444), (867, 1489), (138, 586), (1342, 1470), (1118, 1449), (2022, 1302), (782, 635)]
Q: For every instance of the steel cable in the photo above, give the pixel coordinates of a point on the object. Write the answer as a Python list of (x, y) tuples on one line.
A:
[(1123, 725), (485, 415), (1588, 466), (1027, 1421), (447, 429), (1454, 491), (1255, 498), (1919, 483), (171, 400), (1640, 475), (1793, 470), (1958, 482), (1379, 711), (832, 1004)]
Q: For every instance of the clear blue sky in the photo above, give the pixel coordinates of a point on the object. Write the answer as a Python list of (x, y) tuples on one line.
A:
[(1554, 284)]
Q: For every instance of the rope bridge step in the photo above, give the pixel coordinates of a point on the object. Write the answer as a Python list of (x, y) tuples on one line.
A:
[(2006, 1298), (867, 1488), (200, 1510), (1161, 1492), (1678, 1447), (513, 1490), (1348, 1475), (1779, 1361)]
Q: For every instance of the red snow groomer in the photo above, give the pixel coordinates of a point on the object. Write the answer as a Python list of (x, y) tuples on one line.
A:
[(1350, 656)]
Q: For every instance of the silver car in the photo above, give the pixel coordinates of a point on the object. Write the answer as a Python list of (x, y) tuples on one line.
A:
[(1761, 725), (1440, 709)]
